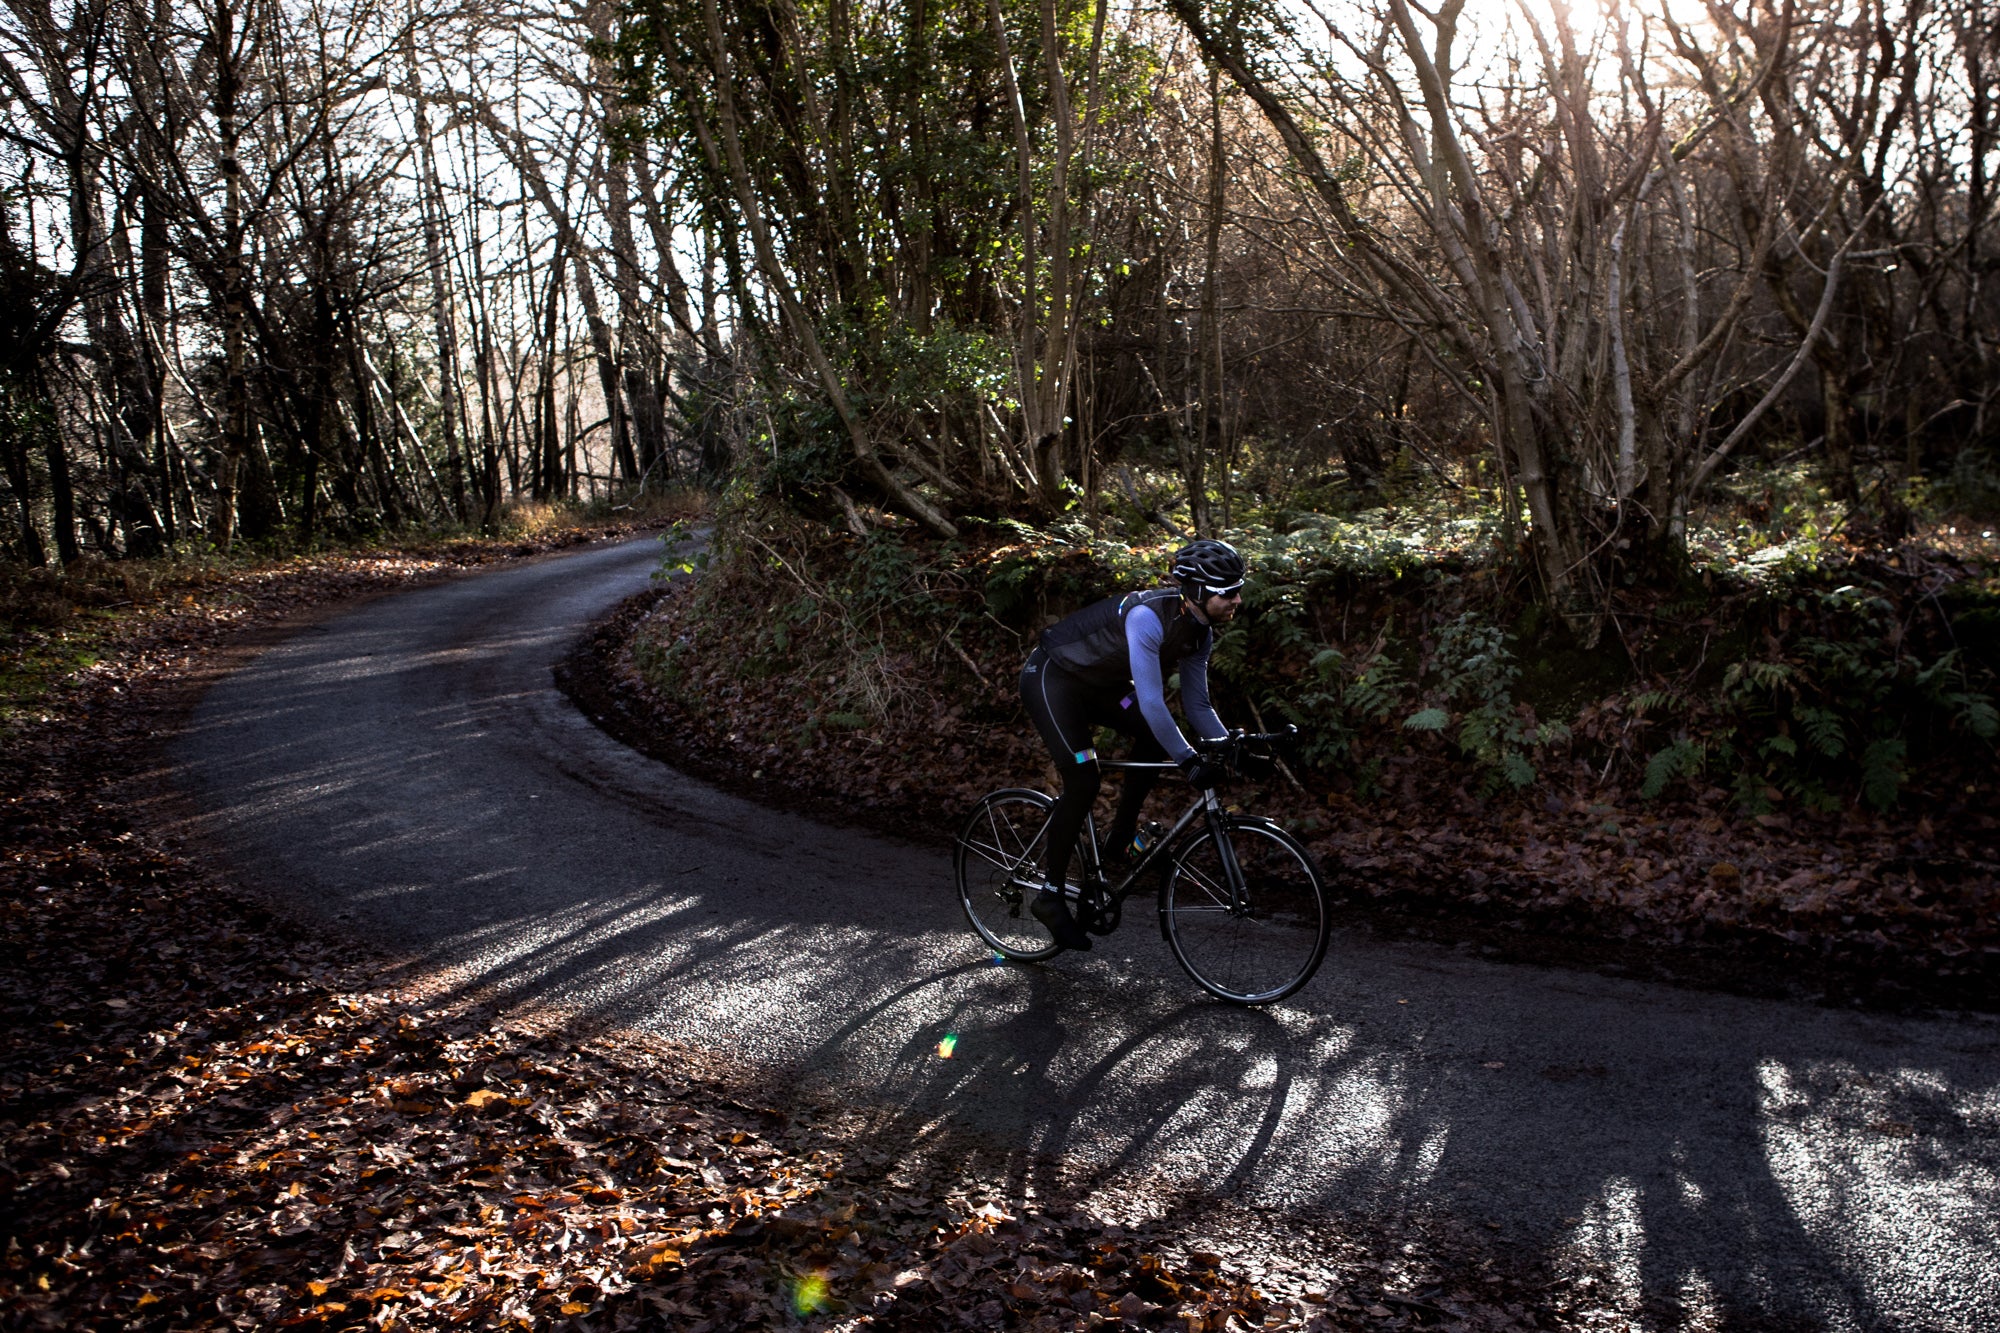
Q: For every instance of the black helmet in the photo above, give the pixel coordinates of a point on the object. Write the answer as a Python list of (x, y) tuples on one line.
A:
[(1207, 567)]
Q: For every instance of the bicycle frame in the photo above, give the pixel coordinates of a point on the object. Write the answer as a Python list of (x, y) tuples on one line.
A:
[(1205, 803)]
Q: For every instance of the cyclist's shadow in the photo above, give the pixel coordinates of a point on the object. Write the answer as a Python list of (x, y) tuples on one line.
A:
[(1019, 1082)]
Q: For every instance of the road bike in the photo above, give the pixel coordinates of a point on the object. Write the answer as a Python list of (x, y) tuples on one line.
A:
[(1241, 903)]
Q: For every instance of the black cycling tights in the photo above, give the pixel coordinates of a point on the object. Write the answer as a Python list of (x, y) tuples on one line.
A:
[(1065, 711)]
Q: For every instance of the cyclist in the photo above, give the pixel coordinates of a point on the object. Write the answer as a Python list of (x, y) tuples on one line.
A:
[(1107, 666)]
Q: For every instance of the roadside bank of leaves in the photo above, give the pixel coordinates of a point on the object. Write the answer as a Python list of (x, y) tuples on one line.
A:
[(1584, 867)]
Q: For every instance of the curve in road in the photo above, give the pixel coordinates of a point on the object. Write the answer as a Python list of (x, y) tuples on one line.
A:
[(408, 771)]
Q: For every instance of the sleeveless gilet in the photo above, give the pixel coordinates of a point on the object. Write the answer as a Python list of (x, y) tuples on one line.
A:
[(1091, 644)]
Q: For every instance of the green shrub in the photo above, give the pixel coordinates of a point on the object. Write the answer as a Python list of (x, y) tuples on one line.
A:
[(1836, 705)]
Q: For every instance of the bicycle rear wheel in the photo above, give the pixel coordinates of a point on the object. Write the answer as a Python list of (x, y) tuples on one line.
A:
[(1258, 947), (997, 860)]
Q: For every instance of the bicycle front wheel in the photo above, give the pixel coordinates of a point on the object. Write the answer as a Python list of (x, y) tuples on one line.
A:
[(1253, 946), (997, 860)]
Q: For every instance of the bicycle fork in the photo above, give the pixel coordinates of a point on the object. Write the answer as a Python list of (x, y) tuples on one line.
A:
[(1211, 811), (1225, 853)]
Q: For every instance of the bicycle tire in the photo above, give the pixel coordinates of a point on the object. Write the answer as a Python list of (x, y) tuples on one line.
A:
[(996, 859), (1265, 950)]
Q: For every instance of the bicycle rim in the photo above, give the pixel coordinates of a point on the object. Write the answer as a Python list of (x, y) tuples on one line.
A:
[(997, 860), (1258, 949)]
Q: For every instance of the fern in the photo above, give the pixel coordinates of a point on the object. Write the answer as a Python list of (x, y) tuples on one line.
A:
[(1319, 708), (1882, 772), (1823, 730), (1427, 719), (1976, 714), (1769, 677), (1682, 759), (1477, 737), (1472, 661), (1752, 791), (1288, 633), (1374, 694)]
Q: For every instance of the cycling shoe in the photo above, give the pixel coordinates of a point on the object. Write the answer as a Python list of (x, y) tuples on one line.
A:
[(1049, 909)]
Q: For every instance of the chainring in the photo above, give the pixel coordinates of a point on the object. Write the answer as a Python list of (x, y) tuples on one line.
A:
[(1096, 910)]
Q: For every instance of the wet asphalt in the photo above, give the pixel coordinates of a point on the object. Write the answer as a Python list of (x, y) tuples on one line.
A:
[(407, 772)]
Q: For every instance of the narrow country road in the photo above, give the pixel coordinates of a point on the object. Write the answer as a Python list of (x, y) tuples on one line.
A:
[(407, 771)]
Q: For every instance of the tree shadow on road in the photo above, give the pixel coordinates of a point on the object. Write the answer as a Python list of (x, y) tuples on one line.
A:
[(1791, 1189), (1817, 1174)]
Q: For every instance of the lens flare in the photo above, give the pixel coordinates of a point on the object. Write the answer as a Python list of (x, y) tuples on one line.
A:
[(948, 1045), (809, 1293)]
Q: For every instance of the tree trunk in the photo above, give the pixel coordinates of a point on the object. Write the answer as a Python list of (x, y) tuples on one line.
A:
[(444, 319), (153, 332), (636, 341), (548, 469), (1208, 434), (235, 300), (727, 157), (62, 495), (20, 479), (1837, 404)]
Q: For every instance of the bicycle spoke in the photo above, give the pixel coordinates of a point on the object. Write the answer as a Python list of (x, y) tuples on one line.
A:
[(995, 855), (1203, 889)]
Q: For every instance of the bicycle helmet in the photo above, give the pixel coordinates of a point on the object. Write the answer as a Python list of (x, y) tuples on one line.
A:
[(1208, 568)]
